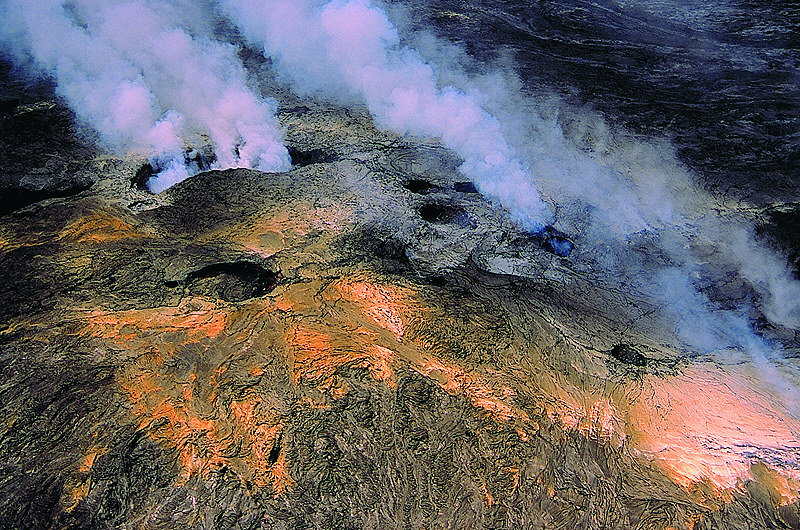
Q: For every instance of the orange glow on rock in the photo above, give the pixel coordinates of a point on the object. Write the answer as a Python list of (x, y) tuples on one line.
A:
[(243, 412), (454, 379), (382, 303), (486, 496), (76, 495), (88, 462), (99, 228), (280, 475), (262, 433), (701, 427), (514, 472), (284, 228), (600, 420), (196, 317), (708, 426), (381, 365), (318, 356), (313, 359)]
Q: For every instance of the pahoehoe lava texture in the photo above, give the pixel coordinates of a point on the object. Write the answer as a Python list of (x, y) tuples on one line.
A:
[(363, 342)]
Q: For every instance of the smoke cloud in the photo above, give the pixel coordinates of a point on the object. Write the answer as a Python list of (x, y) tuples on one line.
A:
[(608, 191), (145, 84)]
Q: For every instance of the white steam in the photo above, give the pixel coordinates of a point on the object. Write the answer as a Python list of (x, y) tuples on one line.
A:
[(145, 84), (351, 49)]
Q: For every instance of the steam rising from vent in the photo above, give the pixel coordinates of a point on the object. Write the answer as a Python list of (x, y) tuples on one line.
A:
[(145, 84), (352, 47)]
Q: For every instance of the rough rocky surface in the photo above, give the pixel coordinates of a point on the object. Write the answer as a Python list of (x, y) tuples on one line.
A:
[(363, 342)]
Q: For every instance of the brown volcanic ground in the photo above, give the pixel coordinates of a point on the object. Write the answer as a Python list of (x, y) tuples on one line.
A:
[(361, 343)]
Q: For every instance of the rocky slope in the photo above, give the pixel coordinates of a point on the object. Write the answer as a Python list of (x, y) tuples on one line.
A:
[(363, 342)]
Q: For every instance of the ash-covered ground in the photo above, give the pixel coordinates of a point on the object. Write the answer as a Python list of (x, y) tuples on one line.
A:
[(368, 341)]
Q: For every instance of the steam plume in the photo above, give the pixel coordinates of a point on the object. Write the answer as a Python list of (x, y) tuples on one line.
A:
[(352, 47), (145, 84), (619, 189)]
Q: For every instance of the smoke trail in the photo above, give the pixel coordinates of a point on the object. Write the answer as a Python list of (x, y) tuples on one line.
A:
[(146, 85), (351, 48)]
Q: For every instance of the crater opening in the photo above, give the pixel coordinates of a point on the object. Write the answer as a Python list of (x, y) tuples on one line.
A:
[(306, 158), (438, 213), (377, 246), (196, 159), (143, 174), (18, 198), (233, 282), (275, 452), (555, 241), (465, 187), (625, 353), (419, 186)]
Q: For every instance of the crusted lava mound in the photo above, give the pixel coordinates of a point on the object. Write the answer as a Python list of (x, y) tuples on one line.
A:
[(363, 342)]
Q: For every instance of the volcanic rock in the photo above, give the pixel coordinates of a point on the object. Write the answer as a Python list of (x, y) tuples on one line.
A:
[(328, 348)]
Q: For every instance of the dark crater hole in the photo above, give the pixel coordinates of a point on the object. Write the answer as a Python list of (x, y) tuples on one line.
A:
[(782, 228), (16, 198), (233, 282), (625, 353), (446, 214), (419, 186), (465, 187), (376, 246), (275, 452), (555, 241), (196, 160)]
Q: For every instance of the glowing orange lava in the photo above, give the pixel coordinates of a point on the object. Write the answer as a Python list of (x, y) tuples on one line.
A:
[(382, 303), (454, 379), (319, 356), (708, 425), (192, 415), (196, 317), (282, 229)]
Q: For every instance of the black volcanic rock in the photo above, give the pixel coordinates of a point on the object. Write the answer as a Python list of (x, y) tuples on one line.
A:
[(302, 158), (465, 187), (627, 354), (556, 242), (419, 186), (439, 213), (143, 175), (41, 156)]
